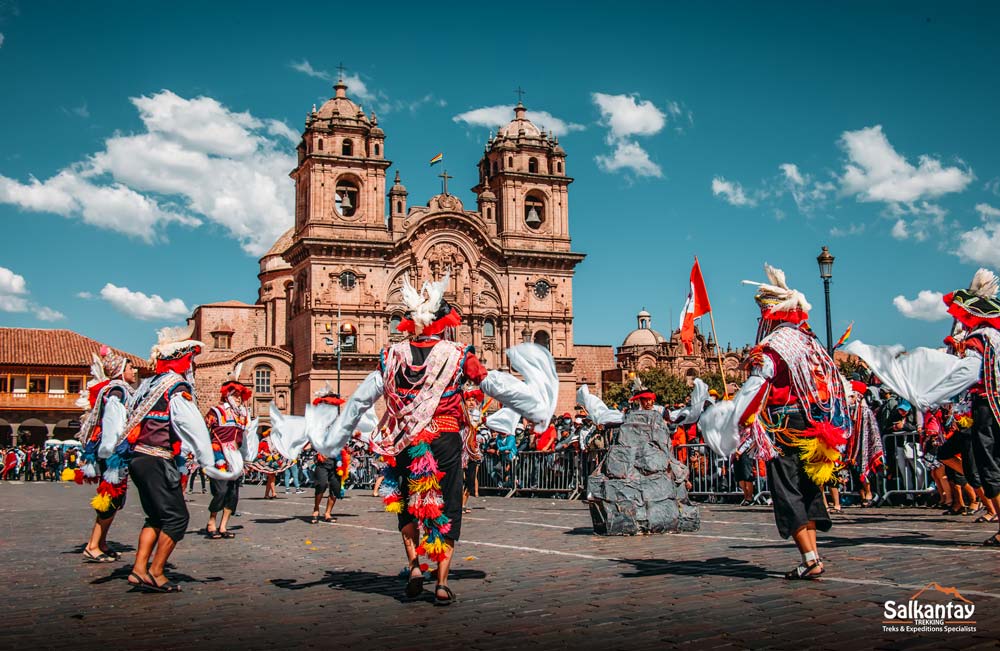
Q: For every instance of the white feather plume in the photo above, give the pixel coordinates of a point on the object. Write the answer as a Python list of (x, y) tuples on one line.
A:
[(423, 305), (788, 299), (985, 284), (170, 340)]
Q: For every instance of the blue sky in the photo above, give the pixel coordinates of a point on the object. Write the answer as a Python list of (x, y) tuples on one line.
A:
[(738, 132)]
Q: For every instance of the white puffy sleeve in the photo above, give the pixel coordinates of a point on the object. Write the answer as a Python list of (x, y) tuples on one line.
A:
[(503, 420), (534, 398), (599, 412), (722, 423), (340, 432), (691, 413), (925, 377), (190, 426), (251, 441), (288, 434), (320, 429), (112, 426)]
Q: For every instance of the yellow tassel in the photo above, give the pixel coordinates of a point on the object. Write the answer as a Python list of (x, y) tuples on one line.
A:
[(435, 547), (68, 474), (394, 507), (425, 484), (818, 459), (101, 502)]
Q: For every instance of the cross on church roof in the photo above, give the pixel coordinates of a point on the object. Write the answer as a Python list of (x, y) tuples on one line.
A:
[(340, 71), (520, 94), (445, 176)]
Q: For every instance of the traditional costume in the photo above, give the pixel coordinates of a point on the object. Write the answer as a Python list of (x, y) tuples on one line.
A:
[(927, 378), (102, 425), (330, 471), (228, 423), (864, 448), (420, 432), (791, 412), (163, 418)]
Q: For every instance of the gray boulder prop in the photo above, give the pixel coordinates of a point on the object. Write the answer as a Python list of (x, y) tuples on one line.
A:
[(640, 487)]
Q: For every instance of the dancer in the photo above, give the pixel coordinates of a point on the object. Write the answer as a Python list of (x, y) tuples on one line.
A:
[(328, 469), (107, 393), (795, 394), (864, 452), (472, 455), (420, 431), (227, 422), (164, 416), (927, 377)]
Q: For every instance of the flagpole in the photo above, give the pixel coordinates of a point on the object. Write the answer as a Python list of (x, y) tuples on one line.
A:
[(718, 350)]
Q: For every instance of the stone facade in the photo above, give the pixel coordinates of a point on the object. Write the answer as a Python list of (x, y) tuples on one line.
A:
[(591, 362), (336, 276), (645, 348)]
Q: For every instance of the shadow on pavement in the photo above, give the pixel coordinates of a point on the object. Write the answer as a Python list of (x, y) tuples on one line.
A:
[(372, 583), (121, 573), (722, 566)]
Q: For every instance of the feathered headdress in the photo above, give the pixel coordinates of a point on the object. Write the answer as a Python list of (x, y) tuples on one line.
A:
[(232, 384), (174, 349), (328, 396), (977, 305), (777, 300), (427, 311), (105, 365)]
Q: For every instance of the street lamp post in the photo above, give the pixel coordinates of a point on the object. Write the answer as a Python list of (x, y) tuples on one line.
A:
[(825, 261), (340, 342)]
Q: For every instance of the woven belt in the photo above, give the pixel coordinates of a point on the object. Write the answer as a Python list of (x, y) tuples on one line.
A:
[(153, 451), (445, 424)]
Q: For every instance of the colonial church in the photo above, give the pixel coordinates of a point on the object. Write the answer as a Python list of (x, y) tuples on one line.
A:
[(330, 287)]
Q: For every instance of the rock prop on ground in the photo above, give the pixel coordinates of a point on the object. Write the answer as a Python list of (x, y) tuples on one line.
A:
[(640, 487)]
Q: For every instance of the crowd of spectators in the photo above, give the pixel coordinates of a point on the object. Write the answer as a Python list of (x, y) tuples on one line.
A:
[(35, 463)]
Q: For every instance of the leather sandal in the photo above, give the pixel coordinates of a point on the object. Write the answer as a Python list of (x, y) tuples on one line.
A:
[(100, 558), (992, 541), (447, 601), (806, 573), (414, 584)]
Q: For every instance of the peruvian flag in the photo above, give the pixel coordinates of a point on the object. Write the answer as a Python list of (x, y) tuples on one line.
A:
[(696, 305)]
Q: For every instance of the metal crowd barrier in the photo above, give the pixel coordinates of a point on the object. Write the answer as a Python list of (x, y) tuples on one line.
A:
[(712, 478)]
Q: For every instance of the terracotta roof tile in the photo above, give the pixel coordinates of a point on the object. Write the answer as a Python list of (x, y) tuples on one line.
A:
[(40, 347)]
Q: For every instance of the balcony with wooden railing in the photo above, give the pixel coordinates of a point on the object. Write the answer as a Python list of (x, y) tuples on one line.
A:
[(53, 400)]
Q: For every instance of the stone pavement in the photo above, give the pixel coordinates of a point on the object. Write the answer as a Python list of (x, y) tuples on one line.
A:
[(528, 573)]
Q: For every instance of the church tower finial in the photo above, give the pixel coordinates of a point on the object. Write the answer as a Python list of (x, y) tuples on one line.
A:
[(340, 87)]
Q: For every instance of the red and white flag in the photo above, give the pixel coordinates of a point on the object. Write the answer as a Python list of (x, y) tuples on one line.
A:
[(696, 305)]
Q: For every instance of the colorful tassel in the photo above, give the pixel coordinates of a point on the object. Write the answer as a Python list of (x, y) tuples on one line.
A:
[(68, 474), (101, 502)]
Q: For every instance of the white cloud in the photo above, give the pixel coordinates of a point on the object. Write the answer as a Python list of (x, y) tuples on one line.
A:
[(852, 229), (13, 292), (196, 161), (1, 39), (79, 111), (628, 155), (306, 68), (14, 297), (48, 314), (492, 117), (626, 116), (875, 171), (86, 295), (145, 308), (899, 230), (993, 185), (987, 212), (792, 173), (732, 192), (981, 245), (927, 306)]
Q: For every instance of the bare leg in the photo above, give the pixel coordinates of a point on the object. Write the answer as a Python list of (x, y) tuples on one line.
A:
[(330, 501), (98, 543), (835, 496), (805, 540), (378, 484), (164, 547), (212, 527), (224, 525), (147, 538), (317, 500), (443, 567)]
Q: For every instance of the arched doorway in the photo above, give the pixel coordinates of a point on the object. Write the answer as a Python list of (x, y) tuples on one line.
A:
[(32, 432), (6, 433)]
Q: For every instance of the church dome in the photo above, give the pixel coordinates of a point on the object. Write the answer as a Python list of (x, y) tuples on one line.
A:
[(272, 260), (340, 108), (520, 126), (643, 335)]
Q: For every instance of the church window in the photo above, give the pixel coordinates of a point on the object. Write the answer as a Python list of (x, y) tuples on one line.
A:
[(262, 380), (533, 165), (494, 167), (347, 148), (489, 213), (489, 328), (542, 339), (399, 206), (347, 198), (559, 167), (378, 150), (394, 322), (534, 211), (319, 144), (222, 341), (542, 289), (510, 162), (348, 280)]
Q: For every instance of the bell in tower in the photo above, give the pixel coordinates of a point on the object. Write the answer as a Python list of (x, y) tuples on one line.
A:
[(533, 220)]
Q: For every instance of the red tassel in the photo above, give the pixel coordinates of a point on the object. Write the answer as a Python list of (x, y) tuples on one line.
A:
[(78, 476), (831, 436)]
